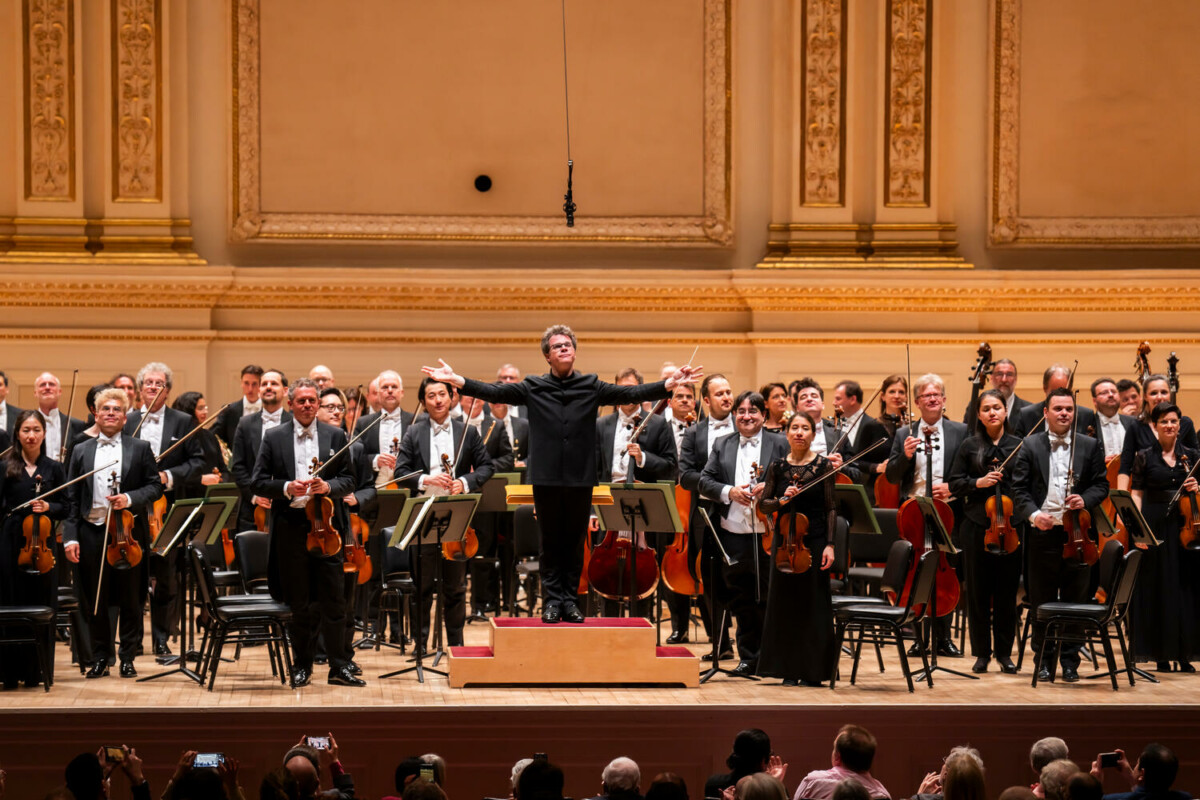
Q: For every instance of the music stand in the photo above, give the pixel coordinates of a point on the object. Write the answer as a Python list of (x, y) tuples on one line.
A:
[(389, 503), (942, 543), (188, 521), (431, 521), (639, 508), (493, 500), (854, 507), (226, 490), (718, 622)]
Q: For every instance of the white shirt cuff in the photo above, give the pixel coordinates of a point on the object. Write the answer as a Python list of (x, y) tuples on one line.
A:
[(725, 494), (1033, 517), (375, 463), (641, 460), (170, 478)]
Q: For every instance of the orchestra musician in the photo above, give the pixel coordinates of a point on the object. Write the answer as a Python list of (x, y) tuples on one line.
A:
[(1041, 496), (561, 408), (907, 468), (1003, 378), (380, 443), (249, 403), (162, 428), (798, 639), (311, 584), (991, 578), (508, 373), (127, 384), (214, 453), (776, 396), (1131, 397), (728, 480), (247, 440), (372, 399), (1164, 610), (862, 430), (8, 412), (24, 473), (1157, 390), (811, 399), (1056, 376), (48, 391), (322, 376), (88, 504), (1113, 426), (681, 407), (425, 442), (694, 447)]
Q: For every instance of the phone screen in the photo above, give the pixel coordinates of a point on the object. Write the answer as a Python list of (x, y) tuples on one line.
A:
[(319, 742), (427, 774), (114, 754), (1109, 760), (208, 760)]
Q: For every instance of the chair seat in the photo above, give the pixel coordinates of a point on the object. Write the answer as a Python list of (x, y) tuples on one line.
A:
[(400, 581), (227, 577), (840, 600), (870, 612), (868, 574), (528, 568), (247, 611), (244, 600), (27, 614), (1087, 611)]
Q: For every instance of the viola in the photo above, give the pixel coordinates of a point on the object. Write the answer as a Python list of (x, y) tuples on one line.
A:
[(466, 548), (123, 551), (37, 555), (323, 539), (1001, 536), (677, 564), (919, 531), (1189, 532), (357, 559)]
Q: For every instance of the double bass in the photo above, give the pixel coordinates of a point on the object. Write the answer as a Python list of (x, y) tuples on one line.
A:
[(916, 529), (37, 555), (979, 373)]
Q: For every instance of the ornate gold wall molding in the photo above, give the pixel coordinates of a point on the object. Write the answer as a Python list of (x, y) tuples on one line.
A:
[(1006, 223), (908, 103), (137, 100), (823, 103), (251, 222), (48, 28)]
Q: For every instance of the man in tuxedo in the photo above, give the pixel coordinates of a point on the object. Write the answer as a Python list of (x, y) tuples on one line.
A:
[(1131, 397), (1004, 380), (310, 583), (60, 428), (1112, 425), (909, 467), (250, 403), (1056, 376), (811, 399), (8, 413), (861, 430), (694, 447), (89, 502), (728, 480), (246, 441), (322, 376), (162, 428), (1041, 495), (382, 443), (561, 408), (425, 443)]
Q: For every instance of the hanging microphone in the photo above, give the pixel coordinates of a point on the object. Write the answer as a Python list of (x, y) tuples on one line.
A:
[(569, 206)]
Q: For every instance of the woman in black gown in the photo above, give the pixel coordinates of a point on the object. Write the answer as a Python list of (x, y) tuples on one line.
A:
[(991, 577), (1157, 390), (194, 404), (25, 466), (1164, 600), (777, 406), (797, 639)]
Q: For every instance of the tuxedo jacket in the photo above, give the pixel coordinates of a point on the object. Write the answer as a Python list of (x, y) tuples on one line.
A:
[(246, 443), (475, 466), (658, 446), (365, 494), (721, 469), (694, 450), (370, 442), (69, 428), (868, 432), (1030, 414), (496, 442), (520, 432), (900, 468), (847, 450), (1031, 475), (562, 420), (184, 462), (139, 480), (226, 426), (1127, 422), (11, 422)]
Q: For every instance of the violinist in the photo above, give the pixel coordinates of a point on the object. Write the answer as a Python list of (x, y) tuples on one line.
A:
[(893, 404), (991, 577), (60, 427), (249, 403), (811, 399), (426, 441), (248, 439), (1113, 425), (861, 428), (162, 428), (1041, 496), (1164, 604), (683, 413), (88, 504), (682, 416), (213, 452), (311, 584), (1056, 376), (8, 412), (728, 480), (776, 396), (798, 641), (27, 472), (127, 384), (1131, 397), (1003, 378), (354, 403), (907, 468), (1156, 390), (378, 443)]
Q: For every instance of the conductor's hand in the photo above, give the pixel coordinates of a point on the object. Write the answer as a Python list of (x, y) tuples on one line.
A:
[(989, 480), (911, 443), (941, 492), (1075, 502), (827, 557), (72, 552), (444, 373), (685, 375)]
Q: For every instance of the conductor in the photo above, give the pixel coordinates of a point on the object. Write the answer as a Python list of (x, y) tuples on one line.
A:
[(561, 407)]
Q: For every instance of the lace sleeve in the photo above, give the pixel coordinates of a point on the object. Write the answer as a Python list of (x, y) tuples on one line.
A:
[(773, 487)]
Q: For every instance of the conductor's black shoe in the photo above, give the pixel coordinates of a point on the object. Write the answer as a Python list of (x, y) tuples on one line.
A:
[(745, 668), (127, 670), (301, 677), (344, 677), (355, 669), (677, 637), (948, 649), (980, 665), (1070, 675), (1007, 666), (97, 670), (552, 615), (722, 655), (1044, 675), (572, 614)]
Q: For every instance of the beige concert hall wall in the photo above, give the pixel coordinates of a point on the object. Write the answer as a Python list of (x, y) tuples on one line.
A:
[(795, 186)]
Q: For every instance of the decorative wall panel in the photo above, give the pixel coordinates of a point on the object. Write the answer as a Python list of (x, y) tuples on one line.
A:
[(823, 103), (137, 100), (907, 102), (49, 99)]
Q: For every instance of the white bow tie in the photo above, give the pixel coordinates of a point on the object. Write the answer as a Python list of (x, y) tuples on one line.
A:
[(721, 425), (752, 441), (156, 418), (444, 428), (106, 442), (304, 433), (273, 417)]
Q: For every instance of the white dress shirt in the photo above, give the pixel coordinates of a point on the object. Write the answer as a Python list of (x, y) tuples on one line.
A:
[(53, 433), (107, 451), (391, 427), (1056, 487), (740, 518), (249, 408), (152, 433), (441, 442), (853, 426), (271, 419), (306, 449), (4, 416), (919, 463), (620, 459), (1112, 434), (718, 430), (677, 430)]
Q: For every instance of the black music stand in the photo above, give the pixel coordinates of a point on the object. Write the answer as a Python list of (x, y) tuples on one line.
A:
[(854, 507), (186, 522), (226, 490), (718, 622), (493, 499), (389, 504), (640, 508), (431, 521), (942, 543)]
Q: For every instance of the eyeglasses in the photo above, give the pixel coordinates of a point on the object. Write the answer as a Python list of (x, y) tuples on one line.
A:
[(562, 346), (335, 407), (929, 396), (305, 401)]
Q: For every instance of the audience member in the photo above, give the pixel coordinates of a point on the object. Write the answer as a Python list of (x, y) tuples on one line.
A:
[(408, 771), (422, 789), (439, 767), (1085, 786), (517, 769), (1018, 793), (540, 780), (1054, 778), (279, 784), (758, 786), (962, 775), (667, 786), (751, 754), (850, 789), (933, 787), (306, 762), (621, 780), (1043, 752), (853, 753), (1151, 779), (87, 778)]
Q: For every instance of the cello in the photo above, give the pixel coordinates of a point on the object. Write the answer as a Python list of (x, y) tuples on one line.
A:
[(37, 555), (887, 494), (1077, 522), (917, 529), (677, 563)]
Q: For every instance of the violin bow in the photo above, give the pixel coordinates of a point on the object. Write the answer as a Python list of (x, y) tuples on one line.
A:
[(355, 438), (832, 472), (1025, 438), (211, 419), (466, 424), (860, 416), (62, 453), (142, 421), (113, 485), (1179, 491), (658, 409), (62, 486), (908, 387)]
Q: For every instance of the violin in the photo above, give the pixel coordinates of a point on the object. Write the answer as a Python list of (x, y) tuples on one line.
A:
[(260, 518), (918, 530), (123, 551), (466, 548), (792, 556), (1077, 522), (323, 539), (357, 559), (1189, 509), (1001, 536), (37, 555)]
